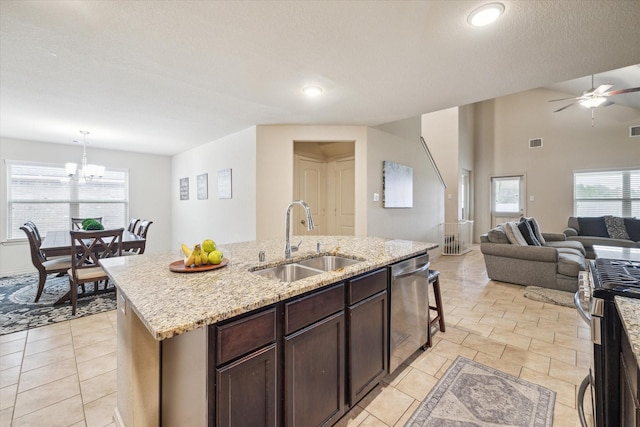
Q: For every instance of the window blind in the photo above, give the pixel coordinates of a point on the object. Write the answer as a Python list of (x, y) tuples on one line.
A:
[(614, 192), (44, 194)]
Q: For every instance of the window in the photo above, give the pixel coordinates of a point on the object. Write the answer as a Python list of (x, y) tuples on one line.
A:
[(601, 193), (44, 194)]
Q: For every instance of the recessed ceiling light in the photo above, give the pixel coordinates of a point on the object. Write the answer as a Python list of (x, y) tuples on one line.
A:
[(486, 14), (312, 90)]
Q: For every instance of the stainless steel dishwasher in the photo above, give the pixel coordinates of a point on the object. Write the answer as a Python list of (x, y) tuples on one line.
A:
[(409, 317)]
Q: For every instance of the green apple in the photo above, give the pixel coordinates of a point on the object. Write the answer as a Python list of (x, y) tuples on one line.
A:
[(215, 257), (208, 246)]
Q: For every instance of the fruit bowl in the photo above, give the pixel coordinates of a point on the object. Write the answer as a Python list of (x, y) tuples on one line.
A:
[(179, 267)]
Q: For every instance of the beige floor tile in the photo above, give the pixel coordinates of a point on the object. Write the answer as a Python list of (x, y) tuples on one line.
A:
[(512, 307), (498, 322), (541, 334), (453, 333), (565, 416), (389, 405), (98, 386), (466, 313), (9, 376), (565, 392), (5, 416), (429, 363), (417, 384), (48, 343), (542, 313), (47, 374), (562, 354), (372, 421), (532, 361), (569, 373), (528, 317), (10, 360), (92, 338), (61, 414), (484, 345), (10, 347), (12, 337), (584, 333), (48, 357), (353, 418), (94, 367), (8, 396), (499, 364), (99, 413), (559, 327), (474, 327), (46, 395), (408, 413), (582, 345), (99, 349), (510, 338), (583, 360), (83, 424), (451, 351), (48, 331)]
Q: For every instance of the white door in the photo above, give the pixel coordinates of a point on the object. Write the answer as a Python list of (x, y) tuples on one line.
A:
[(507, 198), (345, 197), (310, 187)]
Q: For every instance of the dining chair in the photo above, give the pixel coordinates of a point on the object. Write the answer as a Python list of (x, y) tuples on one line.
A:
[(76, 223), (35, 229), (41, 263), (132, 224), (142, 232), (87, 249)]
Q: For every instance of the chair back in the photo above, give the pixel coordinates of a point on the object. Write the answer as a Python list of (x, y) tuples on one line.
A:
[(76, 223), (32, 225), (144, 227), (88, 247), (36, 256), (132, 224)]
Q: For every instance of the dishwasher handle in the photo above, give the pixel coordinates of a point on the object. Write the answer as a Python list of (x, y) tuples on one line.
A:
[(419, 269)]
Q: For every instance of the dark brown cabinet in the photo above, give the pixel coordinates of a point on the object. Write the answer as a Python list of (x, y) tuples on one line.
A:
[(367, 333), (629, 386)]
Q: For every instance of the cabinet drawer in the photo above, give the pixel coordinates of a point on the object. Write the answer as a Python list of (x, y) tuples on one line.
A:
[(364, 286), (307, 310), (244, 335)]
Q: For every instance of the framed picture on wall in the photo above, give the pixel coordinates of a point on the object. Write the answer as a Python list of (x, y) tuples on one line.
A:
[(184, 188), (203, 186), (397, 185), (224, 184)]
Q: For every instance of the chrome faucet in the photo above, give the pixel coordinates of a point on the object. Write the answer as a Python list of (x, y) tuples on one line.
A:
[(288, 248)]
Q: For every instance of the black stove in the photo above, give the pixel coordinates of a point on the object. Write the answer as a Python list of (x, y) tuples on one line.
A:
[(615, 277)]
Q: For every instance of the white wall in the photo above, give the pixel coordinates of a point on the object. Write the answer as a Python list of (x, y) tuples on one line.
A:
[(503, 129), (223, 220), (149, 179), (274, 172), (400, 142)]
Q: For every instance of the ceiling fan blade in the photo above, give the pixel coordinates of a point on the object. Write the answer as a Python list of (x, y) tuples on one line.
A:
[(607, 103), (566, 106), (601, 89), (619, 91), (564, 99)]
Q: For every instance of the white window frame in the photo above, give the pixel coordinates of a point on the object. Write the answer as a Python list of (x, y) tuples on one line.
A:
[(627, 196), (66, 198)]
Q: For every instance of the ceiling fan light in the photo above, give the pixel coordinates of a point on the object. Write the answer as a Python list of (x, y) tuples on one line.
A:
[(485, 14), (312, 90), (593, 102)]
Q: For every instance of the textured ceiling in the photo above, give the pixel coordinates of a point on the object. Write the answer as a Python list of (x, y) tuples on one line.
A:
[(162, 77)]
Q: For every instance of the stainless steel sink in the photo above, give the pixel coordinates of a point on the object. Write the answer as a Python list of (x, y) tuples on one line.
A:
[(328, 262), (287, 272)]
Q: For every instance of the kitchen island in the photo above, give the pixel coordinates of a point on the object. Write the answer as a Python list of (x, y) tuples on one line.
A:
[(193, 346)]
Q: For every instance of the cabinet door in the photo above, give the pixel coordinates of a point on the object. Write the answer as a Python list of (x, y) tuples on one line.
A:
[(314, 373), (247, 390), (368, 348)]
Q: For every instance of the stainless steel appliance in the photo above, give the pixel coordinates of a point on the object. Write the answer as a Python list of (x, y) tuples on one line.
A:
[(409, 315), (598, 287)]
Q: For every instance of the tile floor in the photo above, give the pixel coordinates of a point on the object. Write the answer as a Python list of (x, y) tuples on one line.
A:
[(65, 374)]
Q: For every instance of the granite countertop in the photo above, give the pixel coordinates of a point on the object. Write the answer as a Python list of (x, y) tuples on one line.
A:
[(629, 309), (170, 303)]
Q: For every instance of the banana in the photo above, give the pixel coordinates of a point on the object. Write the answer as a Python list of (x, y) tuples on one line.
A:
[(197, 255), (204, 257), (186, 250), (190, 260)]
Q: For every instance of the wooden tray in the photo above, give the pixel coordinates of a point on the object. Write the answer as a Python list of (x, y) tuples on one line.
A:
[(179, 267)]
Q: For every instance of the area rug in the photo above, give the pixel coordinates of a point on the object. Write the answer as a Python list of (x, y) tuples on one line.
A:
[(471, 394), (550, 296), (18, 311)]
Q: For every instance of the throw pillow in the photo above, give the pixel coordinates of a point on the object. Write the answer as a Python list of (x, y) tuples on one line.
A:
[(593, 226), (528, 233), (513, 234), (498, 235), (536, 229), (615, 227), (633, 228)]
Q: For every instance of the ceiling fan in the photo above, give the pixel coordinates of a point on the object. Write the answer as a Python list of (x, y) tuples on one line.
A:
[(595, 97)]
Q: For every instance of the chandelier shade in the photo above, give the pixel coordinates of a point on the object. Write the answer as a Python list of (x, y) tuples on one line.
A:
[(88, 171)]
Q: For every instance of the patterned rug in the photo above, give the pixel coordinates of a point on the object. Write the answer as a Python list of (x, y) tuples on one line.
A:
[(550, 296), (471, 394), (18, 311)]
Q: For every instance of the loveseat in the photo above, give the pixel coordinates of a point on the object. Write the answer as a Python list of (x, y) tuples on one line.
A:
[(553, 264), (604, 231)]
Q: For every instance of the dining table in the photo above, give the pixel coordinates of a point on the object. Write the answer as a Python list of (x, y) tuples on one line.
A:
[(58, 243)]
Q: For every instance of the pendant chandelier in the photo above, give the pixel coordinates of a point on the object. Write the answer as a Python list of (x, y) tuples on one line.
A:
[(88, 171)]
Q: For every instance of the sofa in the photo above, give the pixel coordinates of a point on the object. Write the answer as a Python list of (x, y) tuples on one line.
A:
[(554, 263), (604, 231)]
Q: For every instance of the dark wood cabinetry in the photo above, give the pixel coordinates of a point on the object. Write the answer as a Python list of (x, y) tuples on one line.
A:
[(629, 386)]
